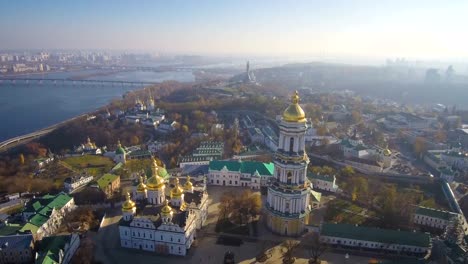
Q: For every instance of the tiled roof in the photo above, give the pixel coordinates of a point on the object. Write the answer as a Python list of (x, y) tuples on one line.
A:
[(372, 234), (243, 166)]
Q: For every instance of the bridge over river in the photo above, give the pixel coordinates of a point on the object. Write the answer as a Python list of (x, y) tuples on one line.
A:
[(13, 81)]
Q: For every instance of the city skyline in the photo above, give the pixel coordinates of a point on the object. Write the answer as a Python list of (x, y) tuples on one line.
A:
[(416, 30)]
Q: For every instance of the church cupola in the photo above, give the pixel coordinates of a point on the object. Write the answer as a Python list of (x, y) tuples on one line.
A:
[(128, 209), (166, 213), (177, 194), (155, 185), (141, 190), (188, 186)]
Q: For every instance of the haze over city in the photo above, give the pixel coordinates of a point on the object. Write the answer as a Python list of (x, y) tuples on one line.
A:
[(423, 30), (305, 132)]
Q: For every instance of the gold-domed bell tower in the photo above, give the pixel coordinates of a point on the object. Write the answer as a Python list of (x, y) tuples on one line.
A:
[(177, 194), (155, 186), (288, 196), (141, 190), (188, 186), (166, 213), (128, 209)]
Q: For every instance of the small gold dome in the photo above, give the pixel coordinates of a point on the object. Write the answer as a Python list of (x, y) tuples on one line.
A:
[(141, 186), (294, 112), (128, 205), (177, 191), (188, 186), (166, 210), (387, 152)]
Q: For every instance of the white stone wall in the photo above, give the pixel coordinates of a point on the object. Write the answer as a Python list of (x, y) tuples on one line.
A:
[(371, 244), (325, 185), (430, 221)]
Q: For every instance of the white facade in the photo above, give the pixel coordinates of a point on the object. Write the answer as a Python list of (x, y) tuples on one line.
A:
[(244, 174), (76, 182), (325, 183), (439, 220), (374, 245), (164, 225), (168, 238)]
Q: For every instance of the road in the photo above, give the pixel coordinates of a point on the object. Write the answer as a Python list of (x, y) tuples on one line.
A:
[(36, 134)]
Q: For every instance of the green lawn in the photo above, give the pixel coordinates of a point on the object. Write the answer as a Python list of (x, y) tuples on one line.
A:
[(342, 211), (93, 164)]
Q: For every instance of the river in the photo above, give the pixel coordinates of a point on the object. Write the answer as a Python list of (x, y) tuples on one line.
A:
[(25, 108)]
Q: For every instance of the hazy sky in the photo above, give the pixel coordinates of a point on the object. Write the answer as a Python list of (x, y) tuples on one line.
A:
[(398, 28)]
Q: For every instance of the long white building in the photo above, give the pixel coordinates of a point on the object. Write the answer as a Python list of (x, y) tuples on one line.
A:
[(251, 174), (375, 239), (431, 217)]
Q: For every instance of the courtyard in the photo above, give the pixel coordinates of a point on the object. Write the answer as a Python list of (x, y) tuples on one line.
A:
[(205, 249)]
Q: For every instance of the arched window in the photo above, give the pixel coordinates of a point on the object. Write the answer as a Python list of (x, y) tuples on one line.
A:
[(289, 177), (291, 144)]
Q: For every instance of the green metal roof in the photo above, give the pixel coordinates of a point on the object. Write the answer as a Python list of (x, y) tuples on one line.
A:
[(372, 234), (29, 227), (265, 169), (316, 196), (49, 249), (119, 151), (106, 179), (433, 213), (38, 220), (60, 201)]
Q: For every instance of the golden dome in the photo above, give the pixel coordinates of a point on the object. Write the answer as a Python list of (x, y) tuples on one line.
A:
[(128, 205), (177, 191), (155, 182), (141, 186), (188, 186), (166, 210), (387, 152), (294, 112)]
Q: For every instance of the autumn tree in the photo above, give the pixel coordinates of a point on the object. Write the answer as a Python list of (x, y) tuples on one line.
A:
[(347, 171), (420, 145), (21, 159)]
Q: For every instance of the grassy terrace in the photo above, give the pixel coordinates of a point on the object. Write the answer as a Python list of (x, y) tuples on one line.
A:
[(92, 164), (341, 211)]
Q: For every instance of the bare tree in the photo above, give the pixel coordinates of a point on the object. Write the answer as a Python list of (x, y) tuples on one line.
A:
[(289, 246), (314, 247)]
